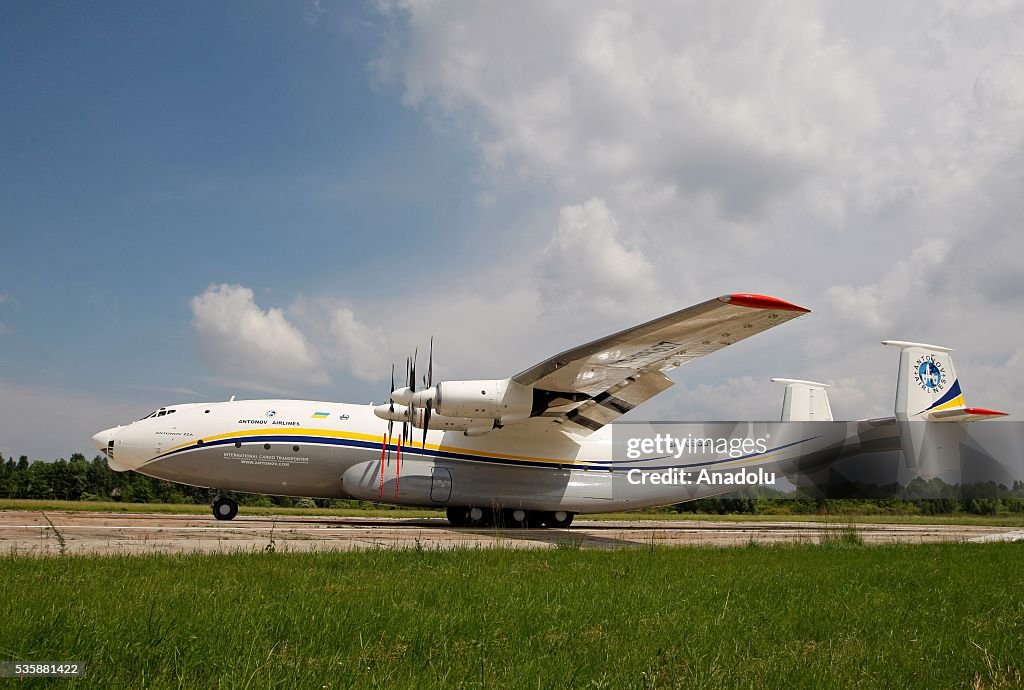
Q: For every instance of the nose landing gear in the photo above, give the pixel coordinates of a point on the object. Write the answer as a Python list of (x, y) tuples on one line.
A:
[(224, 508)]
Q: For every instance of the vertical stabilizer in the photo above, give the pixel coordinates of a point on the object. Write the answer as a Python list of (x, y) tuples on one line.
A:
[(927, 387), (927, 380)]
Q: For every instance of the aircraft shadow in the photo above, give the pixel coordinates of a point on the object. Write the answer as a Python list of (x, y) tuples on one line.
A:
[(567, 537)]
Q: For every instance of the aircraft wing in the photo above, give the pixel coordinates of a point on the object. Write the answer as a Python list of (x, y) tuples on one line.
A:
[(591, 385)]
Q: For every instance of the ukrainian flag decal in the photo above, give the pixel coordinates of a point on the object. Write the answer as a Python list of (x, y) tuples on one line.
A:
[(321, 415)]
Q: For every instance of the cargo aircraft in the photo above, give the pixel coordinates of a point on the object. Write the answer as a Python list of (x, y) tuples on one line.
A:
[(535, 449)]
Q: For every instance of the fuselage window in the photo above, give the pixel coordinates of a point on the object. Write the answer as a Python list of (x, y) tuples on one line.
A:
[(266, 446)]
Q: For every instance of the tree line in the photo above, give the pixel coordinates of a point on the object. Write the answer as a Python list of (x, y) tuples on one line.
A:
[(80, 479)]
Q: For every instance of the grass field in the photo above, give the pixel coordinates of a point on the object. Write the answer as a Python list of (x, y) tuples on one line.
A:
[(837, 615), (1011, 520)]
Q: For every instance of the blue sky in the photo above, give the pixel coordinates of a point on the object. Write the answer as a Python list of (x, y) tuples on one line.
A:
[(255, 198), (151, 151)]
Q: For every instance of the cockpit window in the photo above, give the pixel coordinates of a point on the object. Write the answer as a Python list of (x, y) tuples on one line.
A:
[(159, 413)]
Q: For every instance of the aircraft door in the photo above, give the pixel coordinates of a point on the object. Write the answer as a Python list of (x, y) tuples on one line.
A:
[(440, 485)]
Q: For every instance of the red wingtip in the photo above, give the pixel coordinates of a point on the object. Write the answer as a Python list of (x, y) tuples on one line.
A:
[(743, 299), (985, 412)]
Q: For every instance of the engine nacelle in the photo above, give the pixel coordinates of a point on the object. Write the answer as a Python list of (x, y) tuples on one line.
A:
[(440, 422), (394, 413), (504, 401)]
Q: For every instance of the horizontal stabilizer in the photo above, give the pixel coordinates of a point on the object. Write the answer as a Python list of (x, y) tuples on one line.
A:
[(965, 414), (805, 401)]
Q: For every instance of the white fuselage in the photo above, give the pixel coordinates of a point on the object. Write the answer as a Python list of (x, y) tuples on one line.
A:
[(336, 450)]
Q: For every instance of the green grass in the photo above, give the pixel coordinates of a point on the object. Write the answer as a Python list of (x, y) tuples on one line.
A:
[(837, 615), (1013, 520)]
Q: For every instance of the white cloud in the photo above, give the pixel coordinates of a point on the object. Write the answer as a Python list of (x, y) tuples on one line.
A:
[(363, 348), (587, 263), (738, 103), (863, 160), (251, 346), (875, 307)]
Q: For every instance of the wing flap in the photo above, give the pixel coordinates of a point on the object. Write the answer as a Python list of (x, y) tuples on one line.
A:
[(606, 407)]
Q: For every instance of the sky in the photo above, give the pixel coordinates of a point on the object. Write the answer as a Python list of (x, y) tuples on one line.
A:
[(266, 199)]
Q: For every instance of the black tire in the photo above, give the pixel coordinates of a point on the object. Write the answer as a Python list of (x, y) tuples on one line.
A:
[(535, 519), (224, 508), (508, 518), (558, 518), (458, 517), (486, 518)]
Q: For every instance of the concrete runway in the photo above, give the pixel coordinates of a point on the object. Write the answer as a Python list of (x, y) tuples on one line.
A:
[(53, 533)]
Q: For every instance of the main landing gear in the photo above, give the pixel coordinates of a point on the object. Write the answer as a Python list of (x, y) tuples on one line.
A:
[(515, 518), (224, 508)]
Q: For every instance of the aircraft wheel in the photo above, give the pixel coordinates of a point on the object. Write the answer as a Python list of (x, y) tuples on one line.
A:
[(516, 518), (480, 517), (558, 518), (535, 519), (458, 517), (224, 508)]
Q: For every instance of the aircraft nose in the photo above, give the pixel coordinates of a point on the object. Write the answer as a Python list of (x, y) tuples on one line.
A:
[(103, 439)]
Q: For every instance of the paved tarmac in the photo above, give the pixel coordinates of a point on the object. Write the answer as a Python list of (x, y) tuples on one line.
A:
[(53, 533)]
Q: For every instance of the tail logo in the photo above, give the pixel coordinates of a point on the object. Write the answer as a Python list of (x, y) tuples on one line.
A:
[(930, 374)]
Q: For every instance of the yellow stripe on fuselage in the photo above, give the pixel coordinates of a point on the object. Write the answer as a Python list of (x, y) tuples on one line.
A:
[(371, 438)]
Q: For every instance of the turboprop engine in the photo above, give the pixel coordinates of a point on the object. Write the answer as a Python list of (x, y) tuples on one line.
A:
[(473, 407), (440, 422), (504, 401)]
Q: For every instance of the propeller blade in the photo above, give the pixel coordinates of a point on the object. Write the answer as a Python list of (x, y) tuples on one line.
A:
[(426, 422), (430, 364), (391, 409), (412, 371)]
